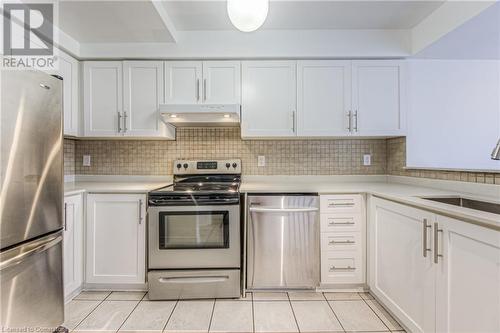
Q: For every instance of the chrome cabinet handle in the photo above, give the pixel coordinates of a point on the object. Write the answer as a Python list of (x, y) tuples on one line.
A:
[(341, 204), (348, 268), (198, 90), (341, 242), (140, 211), (355, 116), (119, 122), (425, 249), (436, 243), (293, 121), (349, 121), (340, 223), (65, 216), (125, 121), (204, 89)]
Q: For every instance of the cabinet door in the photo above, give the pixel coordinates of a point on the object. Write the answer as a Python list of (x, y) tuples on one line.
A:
[(323, 98), (378, 97), (399, 273), (69, 71), (112, 259), (221, 82), (468, 278), (183, 82), (268, 100), (103, 98), (142, 95), (73, 244)]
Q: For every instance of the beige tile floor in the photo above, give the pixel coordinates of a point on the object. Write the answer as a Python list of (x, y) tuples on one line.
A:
[(93, 311)]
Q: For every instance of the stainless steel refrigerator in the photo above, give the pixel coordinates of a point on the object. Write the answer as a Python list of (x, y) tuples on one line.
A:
[(31, 200)]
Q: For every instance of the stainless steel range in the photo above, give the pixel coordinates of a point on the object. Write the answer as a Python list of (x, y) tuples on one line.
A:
[(194, 232)]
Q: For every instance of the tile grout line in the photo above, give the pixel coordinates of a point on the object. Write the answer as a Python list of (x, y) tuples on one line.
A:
[(330, 306), (135, 307), (170, 316), (212, 315), (368, 305), (293, 312), (81, 321)]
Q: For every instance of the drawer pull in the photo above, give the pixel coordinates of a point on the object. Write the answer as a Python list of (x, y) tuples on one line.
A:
[(340, 204), (340, 223), (341, 242), (348, 268)]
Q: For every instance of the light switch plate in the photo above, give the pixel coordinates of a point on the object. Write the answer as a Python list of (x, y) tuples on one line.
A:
[(261, 161), (367, 159), (86, 160)]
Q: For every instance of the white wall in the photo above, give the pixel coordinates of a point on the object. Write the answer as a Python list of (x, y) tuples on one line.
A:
[(454, 116)]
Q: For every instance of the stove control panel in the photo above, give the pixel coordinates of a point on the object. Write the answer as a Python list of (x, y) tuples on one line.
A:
[(190, 167)]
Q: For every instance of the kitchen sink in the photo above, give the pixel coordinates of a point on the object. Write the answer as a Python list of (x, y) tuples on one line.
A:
[(468, 203)]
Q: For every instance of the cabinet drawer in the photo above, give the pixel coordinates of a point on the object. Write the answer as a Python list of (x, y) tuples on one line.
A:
[(345, 203), (333, 241), (340, 222), (342, 267)]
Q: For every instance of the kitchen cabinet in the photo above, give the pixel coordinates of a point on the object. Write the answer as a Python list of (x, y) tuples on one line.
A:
[(103, 99), (436, 274), (342, 225), (268, 103), (73, 245), (205, 82), (378, 98), (70, 72), (468, 277), (111, 259), (323, 97), (142, 94), (121, 99)]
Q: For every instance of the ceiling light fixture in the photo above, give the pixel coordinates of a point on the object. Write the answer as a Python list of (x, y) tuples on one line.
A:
[(247, 15)]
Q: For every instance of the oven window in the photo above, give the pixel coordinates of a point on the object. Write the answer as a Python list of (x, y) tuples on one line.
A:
[(194, 230)]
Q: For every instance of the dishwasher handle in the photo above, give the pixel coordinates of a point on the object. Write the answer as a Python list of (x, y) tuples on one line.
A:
[(282, 210)]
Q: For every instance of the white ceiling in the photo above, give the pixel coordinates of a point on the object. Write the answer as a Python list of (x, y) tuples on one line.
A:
[(112, 22), (306, 15), (125, 21)]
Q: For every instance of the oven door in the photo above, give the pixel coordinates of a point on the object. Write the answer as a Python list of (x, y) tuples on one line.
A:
[(194, 237)]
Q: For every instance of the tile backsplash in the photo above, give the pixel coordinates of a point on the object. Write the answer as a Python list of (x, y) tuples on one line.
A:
[(283, 157)]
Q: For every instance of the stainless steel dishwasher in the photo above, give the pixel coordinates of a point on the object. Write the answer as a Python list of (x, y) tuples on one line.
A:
[(283, 241)]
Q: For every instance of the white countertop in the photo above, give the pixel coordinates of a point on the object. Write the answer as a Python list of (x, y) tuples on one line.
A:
[(401, 189)]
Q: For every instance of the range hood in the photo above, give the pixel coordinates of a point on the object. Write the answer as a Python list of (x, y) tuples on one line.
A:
[(201, 115)]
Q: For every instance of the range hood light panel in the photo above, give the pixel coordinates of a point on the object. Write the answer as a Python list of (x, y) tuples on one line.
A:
[(227, 116), (173, 116)]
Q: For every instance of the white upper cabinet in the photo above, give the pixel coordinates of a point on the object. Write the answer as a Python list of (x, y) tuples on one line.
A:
[(103, 98), (221, 82), (378, 98), (183, 82), (210, 82), (142, 95), (111, 259), (69, 71), (268, 99), (323, 97)]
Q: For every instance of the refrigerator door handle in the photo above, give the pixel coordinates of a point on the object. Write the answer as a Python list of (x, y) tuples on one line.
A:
[(45, 245)]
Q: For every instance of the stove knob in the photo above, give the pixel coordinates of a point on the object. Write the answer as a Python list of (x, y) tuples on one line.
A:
[(179, 166), (228, 165), (185, 165), (235, 165)]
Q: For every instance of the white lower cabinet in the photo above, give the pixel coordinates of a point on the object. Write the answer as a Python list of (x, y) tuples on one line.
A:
[(436, 274), (73, 245), (116, 227), (342, 225)]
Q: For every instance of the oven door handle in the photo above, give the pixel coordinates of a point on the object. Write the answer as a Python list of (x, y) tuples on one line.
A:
[(194, 279), (282, 210)]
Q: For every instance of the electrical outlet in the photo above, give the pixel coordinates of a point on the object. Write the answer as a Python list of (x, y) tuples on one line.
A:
[(367, 159), (86, 160), (261, 161)]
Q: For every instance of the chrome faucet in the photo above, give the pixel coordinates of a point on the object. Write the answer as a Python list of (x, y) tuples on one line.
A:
[(495, 154)]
